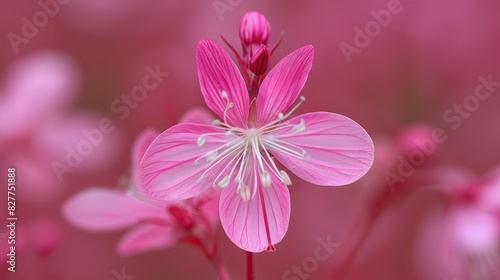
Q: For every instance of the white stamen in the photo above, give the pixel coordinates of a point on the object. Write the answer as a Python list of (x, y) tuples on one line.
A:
[(299, 127), (245, 193), (224, 182), (210, 155), (200, 141), (286, 179), (281, 116), (265, 178)]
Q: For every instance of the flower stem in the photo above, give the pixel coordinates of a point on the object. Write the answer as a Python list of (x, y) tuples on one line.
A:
[(220, 267), (250, 269)]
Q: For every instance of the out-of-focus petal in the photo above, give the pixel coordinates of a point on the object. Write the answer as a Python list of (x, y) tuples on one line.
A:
[(37, 87), (473, 230), (147, 237), (217, 74), (283, 84), (245, 221), (173, 166), (84, 141), (100, 209), (323, 148), (197, 115)]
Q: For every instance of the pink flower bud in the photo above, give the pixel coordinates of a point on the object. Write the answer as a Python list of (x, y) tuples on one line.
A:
[(254, 29), (260, 61)]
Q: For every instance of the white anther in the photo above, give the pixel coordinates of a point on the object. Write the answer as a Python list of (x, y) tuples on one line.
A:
[(265, 178), (201, 141), (245, 193), (216, 122), (210, 155), (285, 178), (302, 98), (224, 95), (281, 116), (224, 182), (299, 127)]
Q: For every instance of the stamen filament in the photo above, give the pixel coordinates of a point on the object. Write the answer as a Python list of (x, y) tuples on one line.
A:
[(286, 150)]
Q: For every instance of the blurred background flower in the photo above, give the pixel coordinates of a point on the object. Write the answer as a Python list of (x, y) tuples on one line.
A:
[(409, 72)]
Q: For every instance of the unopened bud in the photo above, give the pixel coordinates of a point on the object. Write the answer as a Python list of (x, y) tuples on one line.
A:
[(254, 29), (260, 61)]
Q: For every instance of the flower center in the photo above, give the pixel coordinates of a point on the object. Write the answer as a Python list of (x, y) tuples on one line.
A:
[(250, 146)]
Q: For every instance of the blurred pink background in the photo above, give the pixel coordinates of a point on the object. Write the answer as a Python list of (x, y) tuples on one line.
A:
[(407, 71)]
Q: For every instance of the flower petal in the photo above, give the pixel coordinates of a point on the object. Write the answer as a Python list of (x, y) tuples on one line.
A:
[(197, 115), (261, 222), (173, 165), (217, 73), (282, 85), (100, 209), (139, 148), (147, 237), (329, 149)]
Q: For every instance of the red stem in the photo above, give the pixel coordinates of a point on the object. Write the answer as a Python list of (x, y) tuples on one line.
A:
[(250, 269)]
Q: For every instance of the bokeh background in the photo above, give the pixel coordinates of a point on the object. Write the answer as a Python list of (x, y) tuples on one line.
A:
[(402, 83)]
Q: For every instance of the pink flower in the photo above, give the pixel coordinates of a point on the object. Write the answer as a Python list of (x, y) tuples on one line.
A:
[(237, 154), (153, 225), (40, 131)]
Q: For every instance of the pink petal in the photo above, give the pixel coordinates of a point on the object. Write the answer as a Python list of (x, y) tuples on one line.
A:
[(473, 230), (173, 165), (84, 141), (197, 115), (338, 151), (139, 148), (217, 73), (37, 87), (147, 237), (282, 85), (100, 209), (245, 223)]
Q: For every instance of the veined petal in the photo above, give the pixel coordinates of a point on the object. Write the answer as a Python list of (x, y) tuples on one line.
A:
[(174, 165), (256, 225), (283, 84), (100, 209), (218, 73), (323, 148), (140, 146), (147, 237)]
